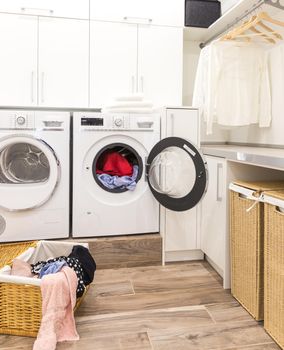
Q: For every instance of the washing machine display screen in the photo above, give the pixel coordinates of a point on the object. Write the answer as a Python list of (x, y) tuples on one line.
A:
[(173, 173), (22, 163), (92, 121)]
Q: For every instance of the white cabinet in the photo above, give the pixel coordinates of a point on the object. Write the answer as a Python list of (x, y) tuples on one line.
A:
[(56, 8), (214, 240), (44, 61), (63, 62), (160, 51), (127, 58), (180, 230), (18, 60), (113, 58), (161, 12)]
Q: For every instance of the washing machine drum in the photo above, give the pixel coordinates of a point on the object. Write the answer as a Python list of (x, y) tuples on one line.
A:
[(29, 172)]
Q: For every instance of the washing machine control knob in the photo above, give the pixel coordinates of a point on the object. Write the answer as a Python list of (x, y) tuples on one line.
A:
[(118, 122), (21, 120)]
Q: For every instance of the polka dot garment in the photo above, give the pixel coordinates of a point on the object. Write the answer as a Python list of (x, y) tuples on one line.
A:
[(71, 262)]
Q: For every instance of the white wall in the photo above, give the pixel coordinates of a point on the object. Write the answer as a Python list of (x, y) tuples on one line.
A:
[(191, 53), (273, 135)]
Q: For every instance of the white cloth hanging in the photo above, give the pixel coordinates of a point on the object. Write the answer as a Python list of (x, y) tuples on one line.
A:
[(232, 85)]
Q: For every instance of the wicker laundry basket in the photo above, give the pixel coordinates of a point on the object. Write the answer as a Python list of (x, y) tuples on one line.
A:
[(274, 266), (20, 304), (246, 243)]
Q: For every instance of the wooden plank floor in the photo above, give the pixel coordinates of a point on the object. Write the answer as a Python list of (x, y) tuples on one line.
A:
[(176, 307)]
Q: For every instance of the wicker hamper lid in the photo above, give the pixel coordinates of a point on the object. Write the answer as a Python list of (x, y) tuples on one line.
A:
[(261, 186), (9, 251), (275, 194)]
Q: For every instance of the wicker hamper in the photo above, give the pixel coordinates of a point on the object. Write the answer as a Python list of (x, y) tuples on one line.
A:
[(20, 303), (274, 266), (246, 243)]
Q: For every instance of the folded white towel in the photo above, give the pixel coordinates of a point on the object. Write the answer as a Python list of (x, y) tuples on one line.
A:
[(131, 104), (132, 97), (128, 110)]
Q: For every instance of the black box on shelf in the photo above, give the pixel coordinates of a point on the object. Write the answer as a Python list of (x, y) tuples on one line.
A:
[(201, 13)]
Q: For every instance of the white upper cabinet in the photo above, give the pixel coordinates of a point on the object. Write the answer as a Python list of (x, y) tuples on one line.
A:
[(56, 8), (113, 61), (18, 68), (160, 57), (63, 62), (160, 12)]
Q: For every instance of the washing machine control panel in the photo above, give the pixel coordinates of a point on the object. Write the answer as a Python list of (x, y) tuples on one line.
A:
[(21, 120), (118, 122), (92, 121)]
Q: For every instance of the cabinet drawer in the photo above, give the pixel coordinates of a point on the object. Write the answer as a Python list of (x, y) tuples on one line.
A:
[(56, 8), (160, 12)]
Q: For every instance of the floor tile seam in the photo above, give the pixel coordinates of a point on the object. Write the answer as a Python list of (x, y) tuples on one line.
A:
[(132, 286), (210, 314), (147, 311), (227, 324), (248, 346), (150, 341)]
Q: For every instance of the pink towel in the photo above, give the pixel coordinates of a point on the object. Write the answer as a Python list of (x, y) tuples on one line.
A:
[(21, 268), (58, 300)]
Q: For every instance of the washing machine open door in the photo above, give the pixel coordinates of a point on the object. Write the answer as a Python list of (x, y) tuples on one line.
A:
[(177, 174), (29, 172)]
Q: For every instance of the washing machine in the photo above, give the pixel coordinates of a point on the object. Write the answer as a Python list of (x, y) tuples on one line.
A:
[(34, 175), (171, 172)]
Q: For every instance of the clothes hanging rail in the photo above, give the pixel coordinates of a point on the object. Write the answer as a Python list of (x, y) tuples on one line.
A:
[(274, 3)]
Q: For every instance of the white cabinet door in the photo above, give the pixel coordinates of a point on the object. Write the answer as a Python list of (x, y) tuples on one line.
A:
[(56, 8), (184, 123), (63, 62), (181, 227), (160, 57), (214, 214), (113, 62), (161, 12), (18, 60), (181, 230)]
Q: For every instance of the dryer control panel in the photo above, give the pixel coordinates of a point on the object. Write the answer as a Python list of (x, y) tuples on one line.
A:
[(119, 121)]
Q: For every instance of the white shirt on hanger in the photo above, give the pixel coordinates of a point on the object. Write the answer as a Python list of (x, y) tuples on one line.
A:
[(232, 85)]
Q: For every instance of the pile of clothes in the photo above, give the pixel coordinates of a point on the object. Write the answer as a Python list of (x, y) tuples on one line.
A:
[(115, 171), (64, 279)]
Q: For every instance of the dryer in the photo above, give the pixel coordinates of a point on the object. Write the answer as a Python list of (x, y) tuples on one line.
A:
[(34, 175), (171, 172)]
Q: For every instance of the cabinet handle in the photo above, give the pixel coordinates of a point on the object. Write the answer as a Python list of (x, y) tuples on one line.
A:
[(142, 84), (32, 86), (133, 84), (172, 123), (218, 196), (35, 9), (145, 19), (42, 87)]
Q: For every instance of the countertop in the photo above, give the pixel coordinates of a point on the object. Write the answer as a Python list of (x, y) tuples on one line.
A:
[(262, 156)]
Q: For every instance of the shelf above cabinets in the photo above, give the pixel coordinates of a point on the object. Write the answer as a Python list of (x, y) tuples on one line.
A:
[(235, 13)]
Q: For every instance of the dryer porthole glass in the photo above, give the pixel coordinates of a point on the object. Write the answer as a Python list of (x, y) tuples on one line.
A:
[(172, 173), (117, 168), (23, 163)]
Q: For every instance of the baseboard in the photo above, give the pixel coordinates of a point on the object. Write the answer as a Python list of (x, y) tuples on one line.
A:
[(184, 255)]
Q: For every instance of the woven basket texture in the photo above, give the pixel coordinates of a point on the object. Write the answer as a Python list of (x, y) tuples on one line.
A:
[(20, 305), (274, 271), (246, 243)]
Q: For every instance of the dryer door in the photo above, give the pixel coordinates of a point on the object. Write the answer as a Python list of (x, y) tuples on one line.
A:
[(29, 172), (177, 174)]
